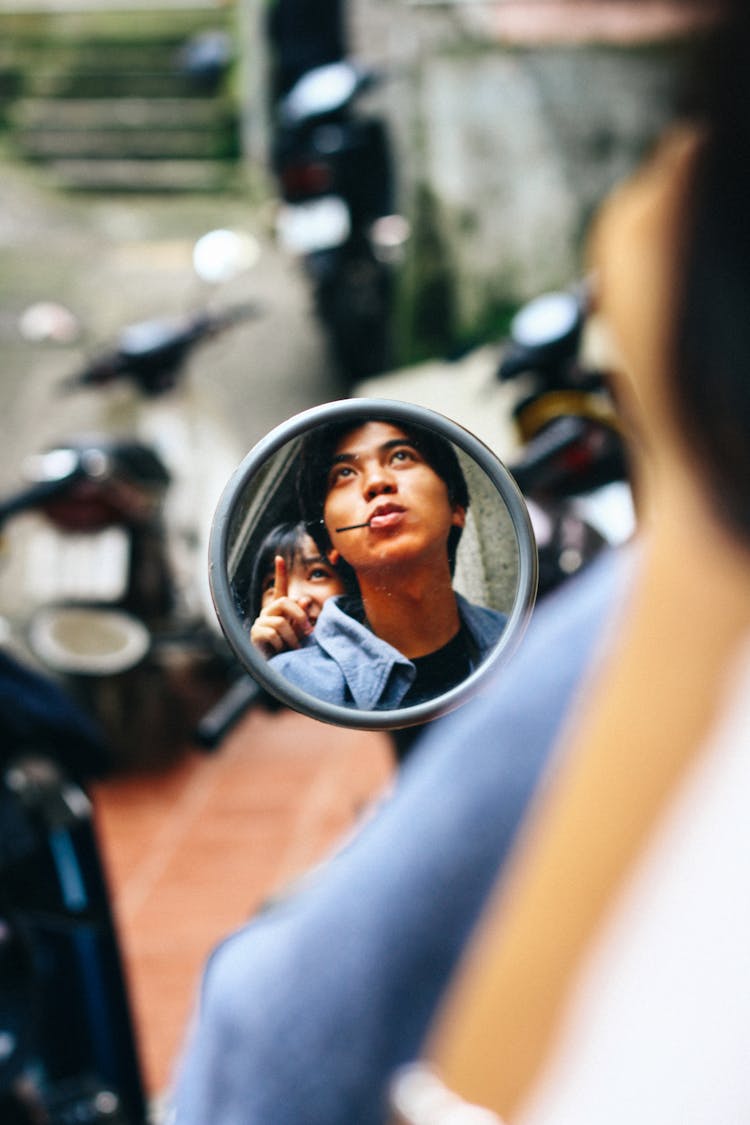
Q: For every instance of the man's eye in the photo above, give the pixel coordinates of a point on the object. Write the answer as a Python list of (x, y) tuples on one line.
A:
[(340, 472), (405, 454)]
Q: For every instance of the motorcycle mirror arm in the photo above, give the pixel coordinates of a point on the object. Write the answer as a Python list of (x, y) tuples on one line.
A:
[(35, 495)]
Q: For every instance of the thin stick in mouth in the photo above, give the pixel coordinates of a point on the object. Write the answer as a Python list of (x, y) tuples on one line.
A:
[(353, 526)]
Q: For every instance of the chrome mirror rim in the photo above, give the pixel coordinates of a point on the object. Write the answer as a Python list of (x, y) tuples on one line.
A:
[(235, 630)]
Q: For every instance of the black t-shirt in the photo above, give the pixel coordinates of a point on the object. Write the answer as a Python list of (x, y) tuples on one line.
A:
[(441, 670), (438, 671)]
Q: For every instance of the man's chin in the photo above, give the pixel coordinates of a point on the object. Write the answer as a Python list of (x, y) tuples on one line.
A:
[(395, 551)]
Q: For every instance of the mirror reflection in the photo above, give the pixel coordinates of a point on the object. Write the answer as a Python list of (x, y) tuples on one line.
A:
[(372, 563)]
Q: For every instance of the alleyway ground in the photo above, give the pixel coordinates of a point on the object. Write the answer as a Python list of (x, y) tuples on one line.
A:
[(193, 850)]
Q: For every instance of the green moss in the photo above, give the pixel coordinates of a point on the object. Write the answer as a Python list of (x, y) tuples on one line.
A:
[(427, 319), (492, 324), (426, 305)]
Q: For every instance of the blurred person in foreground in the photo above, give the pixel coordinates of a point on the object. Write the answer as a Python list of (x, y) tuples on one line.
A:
[(608, 981), (304, 1012)]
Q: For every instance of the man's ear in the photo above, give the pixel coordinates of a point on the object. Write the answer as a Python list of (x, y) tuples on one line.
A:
[(458, 518), (333, 556)]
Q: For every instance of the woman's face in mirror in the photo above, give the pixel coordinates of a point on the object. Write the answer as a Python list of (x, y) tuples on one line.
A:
[(309, 578)]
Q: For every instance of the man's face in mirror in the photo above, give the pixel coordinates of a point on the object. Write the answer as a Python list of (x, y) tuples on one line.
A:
[(378, 478)]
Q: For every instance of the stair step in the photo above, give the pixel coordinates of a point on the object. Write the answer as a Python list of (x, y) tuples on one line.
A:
[(120, 114), (142, 175), (145, 144), (88, 54), (129, 22), (46, 59), (108, 84), (98, 91)]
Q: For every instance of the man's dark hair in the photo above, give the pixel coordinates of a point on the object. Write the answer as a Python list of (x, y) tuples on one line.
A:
[(316, 456)]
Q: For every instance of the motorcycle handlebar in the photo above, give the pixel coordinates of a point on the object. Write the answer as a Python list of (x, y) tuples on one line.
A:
[(35, 496), (217, 723), (536, 467), (153, 352), (516, 360)]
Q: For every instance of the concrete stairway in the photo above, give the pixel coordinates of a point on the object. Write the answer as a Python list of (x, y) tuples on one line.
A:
[(105, 101)]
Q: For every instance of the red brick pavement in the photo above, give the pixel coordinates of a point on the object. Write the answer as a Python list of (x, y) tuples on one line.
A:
[(193, 851)]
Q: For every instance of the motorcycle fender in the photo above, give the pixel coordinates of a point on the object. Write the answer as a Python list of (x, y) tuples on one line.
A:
[(317, 224)]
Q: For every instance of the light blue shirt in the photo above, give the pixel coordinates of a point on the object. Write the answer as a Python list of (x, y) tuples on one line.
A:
[(344, 663)]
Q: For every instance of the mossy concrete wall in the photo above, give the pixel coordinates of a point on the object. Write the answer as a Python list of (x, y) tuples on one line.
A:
[(503, 152)]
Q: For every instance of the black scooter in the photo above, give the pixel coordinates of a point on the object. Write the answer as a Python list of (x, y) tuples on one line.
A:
[(333, 169), (106, 575), (573, 468), (67, 1045)]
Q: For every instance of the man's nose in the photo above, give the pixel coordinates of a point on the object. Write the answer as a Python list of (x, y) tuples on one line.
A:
[(378, 479)]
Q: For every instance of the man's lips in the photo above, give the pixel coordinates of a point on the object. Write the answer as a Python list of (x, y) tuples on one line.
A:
[(387, 515)]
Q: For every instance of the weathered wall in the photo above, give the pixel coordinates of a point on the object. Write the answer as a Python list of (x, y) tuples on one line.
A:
[(505, 147)]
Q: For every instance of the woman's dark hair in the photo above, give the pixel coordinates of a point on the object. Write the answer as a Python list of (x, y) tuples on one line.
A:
[(711, 333), (316, 456), (284, 539)]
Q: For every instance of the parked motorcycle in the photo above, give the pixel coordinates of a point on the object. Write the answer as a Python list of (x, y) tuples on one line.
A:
[(333, 169), (106, 541), (68, 1052), (573, 467), (541, 403)]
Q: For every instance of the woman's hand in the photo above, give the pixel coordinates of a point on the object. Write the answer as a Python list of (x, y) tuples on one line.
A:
[(283, 622)]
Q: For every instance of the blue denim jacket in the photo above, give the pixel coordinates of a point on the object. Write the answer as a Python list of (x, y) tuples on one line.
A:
[(345, 664)]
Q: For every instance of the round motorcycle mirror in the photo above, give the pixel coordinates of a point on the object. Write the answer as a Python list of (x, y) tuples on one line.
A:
[(409, 564), (546, 320), (321, 90)]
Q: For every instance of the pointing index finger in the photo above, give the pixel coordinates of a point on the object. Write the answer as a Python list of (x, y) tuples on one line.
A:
[(280, 578)]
